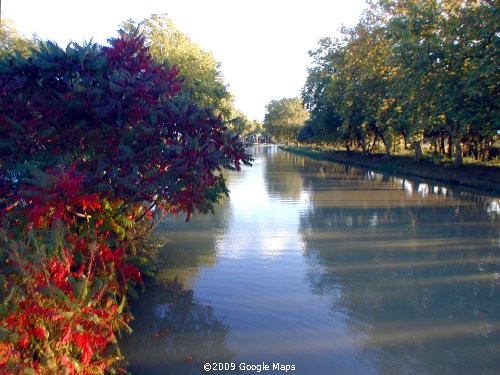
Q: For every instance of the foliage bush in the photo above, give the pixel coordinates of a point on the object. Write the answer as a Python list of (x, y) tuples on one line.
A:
[(96, 145)]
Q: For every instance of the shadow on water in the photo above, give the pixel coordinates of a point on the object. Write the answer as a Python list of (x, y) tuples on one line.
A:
[(415, 275), (174, 333)]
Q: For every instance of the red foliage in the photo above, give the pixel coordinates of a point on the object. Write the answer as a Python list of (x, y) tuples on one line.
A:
[(130, 135), (133, 145), (61, 199), (51, 310)]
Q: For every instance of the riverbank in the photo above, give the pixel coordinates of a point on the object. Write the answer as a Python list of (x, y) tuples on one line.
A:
[(471, 176)]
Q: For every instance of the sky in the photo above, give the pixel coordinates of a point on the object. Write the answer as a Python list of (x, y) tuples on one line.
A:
[(262, 45)]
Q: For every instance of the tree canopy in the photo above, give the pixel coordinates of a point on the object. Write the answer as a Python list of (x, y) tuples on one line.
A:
[(11, 42), (202, 78), (409, 70)]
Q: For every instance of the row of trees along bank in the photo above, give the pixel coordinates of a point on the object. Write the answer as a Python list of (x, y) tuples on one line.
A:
[(97, 144), (409, 72)]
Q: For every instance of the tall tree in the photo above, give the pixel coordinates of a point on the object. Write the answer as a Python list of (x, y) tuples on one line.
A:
[(203, 80), (413, 31), (240, 125), (322, 95), (471, 57)]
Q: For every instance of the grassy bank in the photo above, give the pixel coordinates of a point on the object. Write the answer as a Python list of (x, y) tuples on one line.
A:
[(472, 176)]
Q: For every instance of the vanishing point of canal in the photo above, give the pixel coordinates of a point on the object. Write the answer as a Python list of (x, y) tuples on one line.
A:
[(327, 269)]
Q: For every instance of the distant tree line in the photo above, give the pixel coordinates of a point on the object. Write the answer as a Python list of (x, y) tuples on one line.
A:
[(284, 119), (409, 72)]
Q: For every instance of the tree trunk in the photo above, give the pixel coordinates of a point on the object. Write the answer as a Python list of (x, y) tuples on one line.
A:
[(373, 144), (450, 145), (458, 155), (458, 146), (434, 145), (418, 150), (484, 151), (405, 142), (387, 144), (441, 144), (362, 140), (453, 139)]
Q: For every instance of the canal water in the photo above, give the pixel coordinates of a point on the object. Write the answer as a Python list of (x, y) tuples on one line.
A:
[(317, 268)]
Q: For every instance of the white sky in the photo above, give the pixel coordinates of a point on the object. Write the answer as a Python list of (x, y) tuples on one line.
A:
[(261, 44)]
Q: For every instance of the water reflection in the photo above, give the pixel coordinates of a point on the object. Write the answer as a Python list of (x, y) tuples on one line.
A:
[(262, 209), (189, 247), (415, 270), (174, 333), (335, 269)]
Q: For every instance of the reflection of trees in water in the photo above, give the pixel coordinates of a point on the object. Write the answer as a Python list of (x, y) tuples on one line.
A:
[(283, 173), (321, 173), (416, 275), (174, 333), (189, 246)]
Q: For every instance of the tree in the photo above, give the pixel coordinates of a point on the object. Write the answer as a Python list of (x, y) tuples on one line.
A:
[(322, 95), (203, 80), (126, 124), (11, 41), (469, 75), (421, 70), (284, 119), (241, 126), (412, 29), (257, 133)]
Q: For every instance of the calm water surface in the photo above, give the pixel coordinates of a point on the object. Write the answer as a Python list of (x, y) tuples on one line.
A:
[(332, 269)]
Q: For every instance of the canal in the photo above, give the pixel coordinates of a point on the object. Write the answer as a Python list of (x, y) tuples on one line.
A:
[(317, 268)]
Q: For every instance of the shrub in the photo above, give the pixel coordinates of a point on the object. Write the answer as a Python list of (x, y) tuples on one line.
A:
[(96, 143)]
